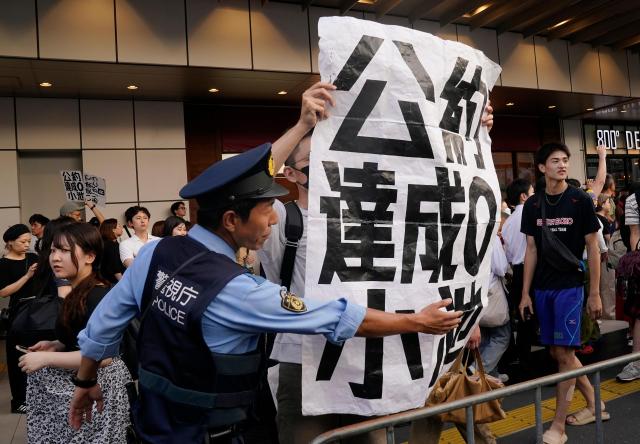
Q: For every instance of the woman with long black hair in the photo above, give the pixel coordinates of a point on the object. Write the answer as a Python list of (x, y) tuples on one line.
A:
[(16, 282), (75, 255), (111, 267)]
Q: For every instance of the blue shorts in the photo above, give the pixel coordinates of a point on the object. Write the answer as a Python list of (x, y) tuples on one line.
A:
[(559, 313)]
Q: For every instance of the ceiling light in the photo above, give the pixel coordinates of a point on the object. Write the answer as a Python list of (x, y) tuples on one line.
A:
[(132, 87), (477, 11), (282, 93), (589, 109), (213, 90), (367, 2), (551, 106), (557, 25), (510, 103), (46, 84)]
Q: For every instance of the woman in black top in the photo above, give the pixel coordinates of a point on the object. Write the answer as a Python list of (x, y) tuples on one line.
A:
[(75, 254), (111, 266), (16, 272)]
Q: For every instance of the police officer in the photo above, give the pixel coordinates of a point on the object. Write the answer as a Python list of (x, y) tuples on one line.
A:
[(202, 314)]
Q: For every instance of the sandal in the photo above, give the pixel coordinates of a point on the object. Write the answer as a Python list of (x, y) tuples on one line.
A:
[(585, 416), (550, 437)]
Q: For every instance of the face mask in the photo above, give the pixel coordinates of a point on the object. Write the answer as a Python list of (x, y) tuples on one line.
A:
[(305, 170)]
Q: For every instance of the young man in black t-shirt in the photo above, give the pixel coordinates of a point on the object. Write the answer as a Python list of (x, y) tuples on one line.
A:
[(558, 293)]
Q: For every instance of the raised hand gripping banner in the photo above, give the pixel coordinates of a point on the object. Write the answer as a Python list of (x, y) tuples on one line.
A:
[(402, 209)]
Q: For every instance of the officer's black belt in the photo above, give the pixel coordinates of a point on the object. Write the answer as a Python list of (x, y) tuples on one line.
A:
[(163, 387)]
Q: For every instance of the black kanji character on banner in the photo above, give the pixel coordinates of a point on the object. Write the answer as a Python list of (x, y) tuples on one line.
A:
[(371, 386), (472, 257), (454, 91), (434, 259), (363, 229), (450, 345), (348, 139)]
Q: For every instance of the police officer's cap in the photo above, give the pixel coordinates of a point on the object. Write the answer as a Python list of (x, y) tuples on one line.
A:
[(246, 176)]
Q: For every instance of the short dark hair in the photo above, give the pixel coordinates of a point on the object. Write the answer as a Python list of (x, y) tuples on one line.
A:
[(547, 149), (132, 211), (212, 218), (515, 189), (575, 183), (39, 218), (175, 206)]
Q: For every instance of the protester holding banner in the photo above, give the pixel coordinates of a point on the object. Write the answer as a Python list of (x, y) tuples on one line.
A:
[(196, 286), (137, 218), (17, 268), (559, 221), (74, 209)]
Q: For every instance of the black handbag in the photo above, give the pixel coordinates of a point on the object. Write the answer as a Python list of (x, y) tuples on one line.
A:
[(554, 251), (35, 319)]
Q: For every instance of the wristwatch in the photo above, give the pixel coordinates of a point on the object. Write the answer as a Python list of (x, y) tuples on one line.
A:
[(83, 383)]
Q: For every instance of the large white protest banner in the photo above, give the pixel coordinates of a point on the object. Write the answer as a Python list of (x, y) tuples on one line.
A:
[(403, 207)]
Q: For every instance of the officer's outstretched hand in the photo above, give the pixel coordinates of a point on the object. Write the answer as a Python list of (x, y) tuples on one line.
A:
[(315, 102), (82, 404), (436, 321)]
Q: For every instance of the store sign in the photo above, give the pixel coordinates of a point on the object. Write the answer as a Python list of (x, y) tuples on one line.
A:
[(609, 138)]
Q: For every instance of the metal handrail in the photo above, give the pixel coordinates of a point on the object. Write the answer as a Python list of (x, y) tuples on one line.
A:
[(388, 422)]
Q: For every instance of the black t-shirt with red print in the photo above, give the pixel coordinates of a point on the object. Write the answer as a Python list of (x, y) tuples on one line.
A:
[(571, 216)]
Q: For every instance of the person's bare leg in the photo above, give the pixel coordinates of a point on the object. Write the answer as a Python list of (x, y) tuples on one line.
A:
[(565, 357), (636, 336)]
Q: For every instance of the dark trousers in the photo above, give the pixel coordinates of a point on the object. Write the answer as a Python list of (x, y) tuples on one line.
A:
[(525, 331), (17, 379)]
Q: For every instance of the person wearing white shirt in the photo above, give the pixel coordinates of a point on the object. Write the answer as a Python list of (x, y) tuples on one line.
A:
[(137, 219), (515, 245)]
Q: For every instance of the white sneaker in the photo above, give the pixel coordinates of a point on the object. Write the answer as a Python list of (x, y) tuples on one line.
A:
[(630, 372)]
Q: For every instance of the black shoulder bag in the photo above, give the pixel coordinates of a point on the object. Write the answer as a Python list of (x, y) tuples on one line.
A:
[(293, 229), (556, 253)]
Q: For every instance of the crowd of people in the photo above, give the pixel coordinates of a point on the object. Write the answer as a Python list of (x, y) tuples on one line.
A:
[(32, 266), (198, 289)]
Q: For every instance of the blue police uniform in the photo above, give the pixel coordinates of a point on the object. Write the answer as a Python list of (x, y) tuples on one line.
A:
[(201, 325)]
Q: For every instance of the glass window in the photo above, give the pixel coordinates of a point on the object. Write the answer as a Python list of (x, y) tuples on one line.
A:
[(504, 168), (525, 165), (634, 171)]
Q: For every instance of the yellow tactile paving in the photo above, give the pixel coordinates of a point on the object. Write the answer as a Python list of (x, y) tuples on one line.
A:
[(524, 417)]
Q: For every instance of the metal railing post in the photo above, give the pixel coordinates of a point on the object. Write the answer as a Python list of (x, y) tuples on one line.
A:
[(599, 428), (471, 439), (391, 438), (538, 406), (390, 421)]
